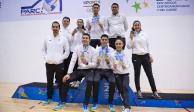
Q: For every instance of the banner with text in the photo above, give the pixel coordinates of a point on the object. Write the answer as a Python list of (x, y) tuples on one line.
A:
[(12, 10)]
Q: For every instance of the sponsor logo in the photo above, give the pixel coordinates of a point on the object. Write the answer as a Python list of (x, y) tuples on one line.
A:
[(42, 7), (87, 4)]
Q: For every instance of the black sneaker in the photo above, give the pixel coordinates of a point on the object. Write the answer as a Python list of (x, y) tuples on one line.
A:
[(139, 95), (156, 95)]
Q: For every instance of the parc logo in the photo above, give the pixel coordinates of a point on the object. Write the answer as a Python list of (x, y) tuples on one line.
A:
[(42, 7)]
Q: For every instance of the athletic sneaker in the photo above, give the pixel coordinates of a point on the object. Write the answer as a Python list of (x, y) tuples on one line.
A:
[(126, 110), (44, 103), (85, 108), (139, 94), (94, 107), (111, 108), (77, 83), (156, 95), (59, 106)]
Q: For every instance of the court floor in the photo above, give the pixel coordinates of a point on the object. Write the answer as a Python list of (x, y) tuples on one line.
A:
[(7, 104)]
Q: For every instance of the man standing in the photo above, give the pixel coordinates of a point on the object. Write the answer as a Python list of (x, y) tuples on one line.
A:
[(116, 25), (55, 50), (95, 26), (67, 34)]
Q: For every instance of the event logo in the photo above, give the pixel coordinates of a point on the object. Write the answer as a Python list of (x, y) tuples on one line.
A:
[(42, 7), (88, 4), (138, 5)]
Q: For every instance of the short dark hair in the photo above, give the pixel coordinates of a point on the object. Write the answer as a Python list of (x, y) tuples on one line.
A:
[(115, 4), (86, 35), (121, 39), (66, 18), (96, 5), (56, 22), (104, 35), (81, 20)]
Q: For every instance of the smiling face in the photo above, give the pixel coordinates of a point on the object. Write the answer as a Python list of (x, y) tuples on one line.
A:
[(85, 40), (66, 22), (80, 23), (137, 26), (119, 45), (96, 9), (104, 41), (55, 28), (115, 9)]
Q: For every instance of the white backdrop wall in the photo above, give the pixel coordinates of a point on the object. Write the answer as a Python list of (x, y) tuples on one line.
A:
[(171, 38)]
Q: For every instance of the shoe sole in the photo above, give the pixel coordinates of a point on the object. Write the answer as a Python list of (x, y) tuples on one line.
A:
[(157, 98)]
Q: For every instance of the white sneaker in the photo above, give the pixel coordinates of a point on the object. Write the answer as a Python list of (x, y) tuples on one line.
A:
[(126, 110), (72, 84), (77, 83), (44, 103)]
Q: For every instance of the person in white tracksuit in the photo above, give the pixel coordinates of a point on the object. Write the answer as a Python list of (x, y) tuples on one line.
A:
[(55, 50), (121, 65)]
